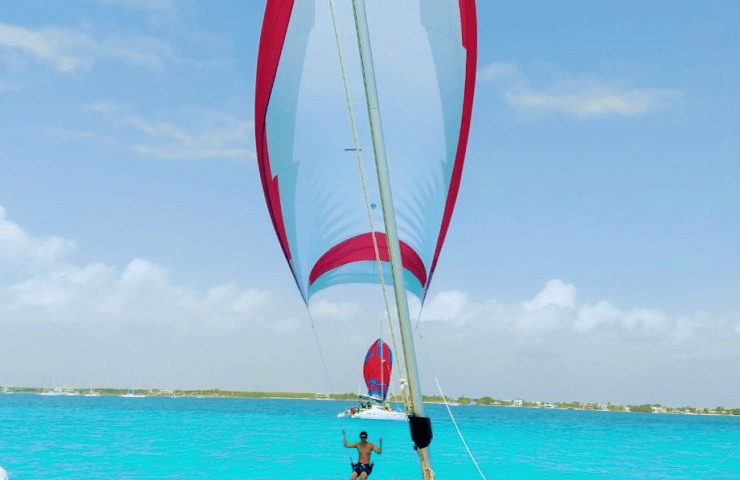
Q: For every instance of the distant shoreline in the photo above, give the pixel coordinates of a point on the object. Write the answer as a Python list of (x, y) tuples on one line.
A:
[(428, 399)]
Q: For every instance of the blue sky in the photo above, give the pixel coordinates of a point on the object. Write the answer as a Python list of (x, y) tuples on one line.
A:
[(596, 230)]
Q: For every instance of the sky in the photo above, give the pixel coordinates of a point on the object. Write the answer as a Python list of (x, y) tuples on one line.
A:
[(594, 253)]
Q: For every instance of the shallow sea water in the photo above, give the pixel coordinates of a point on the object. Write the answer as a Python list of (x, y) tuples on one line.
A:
[(224, 438)]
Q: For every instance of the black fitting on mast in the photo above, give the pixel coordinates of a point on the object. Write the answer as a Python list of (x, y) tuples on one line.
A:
[(421, 431)]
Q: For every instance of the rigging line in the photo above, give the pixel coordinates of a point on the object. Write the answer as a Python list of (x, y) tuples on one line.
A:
[(444, 399), (720, 463), (423, 345), (358, 152), (321, 354)]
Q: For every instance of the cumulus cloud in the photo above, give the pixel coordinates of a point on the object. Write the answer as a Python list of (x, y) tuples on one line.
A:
[(450, 307), (555, 293), (551, 344), (141, 293), (590, 316), (144, 292), (335, 310), (576, 97), (556, 309), (18, 246), (219, 135), (70, 50)]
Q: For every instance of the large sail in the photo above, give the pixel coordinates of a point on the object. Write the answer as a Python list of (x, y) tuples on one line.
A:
[(425, 61), (377, 369)]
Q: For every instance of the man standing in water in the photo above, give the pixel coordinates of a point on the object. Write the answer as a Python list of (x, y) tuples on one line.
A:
[(363, 467)]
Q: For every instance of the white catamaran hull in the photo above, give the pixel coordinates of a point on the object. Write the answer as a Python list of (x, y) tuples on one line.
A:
[(373, 413)]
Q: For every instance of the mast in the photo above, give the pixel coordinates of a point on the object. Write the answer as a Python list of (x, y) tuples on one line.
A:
[(420, 426)]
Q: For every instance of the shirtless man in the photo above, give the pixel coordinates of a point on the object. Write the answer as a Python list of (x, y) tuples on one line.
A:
[(365, 448)]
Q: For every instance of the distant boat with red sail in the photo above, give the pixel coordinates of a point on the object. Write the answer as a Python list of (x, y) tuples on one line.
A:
[(377, 371)]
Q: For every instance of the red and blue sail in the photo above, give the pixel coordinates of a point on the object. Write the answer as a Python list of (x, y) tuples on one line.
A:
[(424, 53), (377, 369)]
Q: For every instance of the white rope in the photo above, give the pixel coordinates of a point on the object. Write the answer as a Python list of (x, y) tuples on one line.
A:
[(365, 192), (321, 354), (444, 399), (720, 463)]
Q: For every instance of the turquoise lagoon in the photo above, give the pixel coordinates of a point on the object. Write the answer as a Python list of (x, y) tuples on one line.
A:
[(223, 438)]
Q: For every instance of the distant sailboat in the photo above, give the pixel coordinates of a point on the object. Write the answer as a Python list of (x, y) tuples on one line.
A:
[(92, 393), (132, 393), (377, 371), (56, 391)]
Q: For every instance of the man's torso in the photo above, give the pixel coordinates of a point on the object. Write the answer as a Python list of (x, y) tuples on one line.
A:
[(365, 450)]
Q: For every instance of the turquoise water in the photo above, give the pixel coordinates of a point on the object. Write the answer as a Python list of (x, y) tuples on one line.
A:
[(186, 438)]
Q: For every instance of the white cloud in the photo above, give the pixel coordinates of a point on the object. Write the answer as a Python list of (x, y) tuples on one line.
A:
[(17, 245), (143, 273), (58, 286), (595, 100), (451, 306), (578, 98), (141, 315), (590, 316), (556, 309), (219, 136), (49, 44), (334, 310), (69, 50), (555, 293), (142, 293)]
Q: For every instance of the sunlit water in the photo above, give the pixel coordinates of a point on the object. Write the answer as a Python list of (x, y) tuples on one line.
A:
[(221, 438)]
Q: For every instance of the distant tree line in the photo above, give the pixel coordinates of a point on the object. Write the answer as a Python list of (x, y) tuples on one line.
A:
[(462, 400)]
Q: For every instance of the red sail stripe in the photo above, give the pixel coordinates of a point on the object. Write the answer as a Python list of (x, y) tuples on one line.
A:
[(272, 40), (360, 248), (469, 26)]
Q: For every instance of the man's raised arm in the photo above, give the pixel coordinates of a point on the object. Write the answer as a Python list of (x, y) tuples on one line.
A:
[(379, 449), (344, 439)]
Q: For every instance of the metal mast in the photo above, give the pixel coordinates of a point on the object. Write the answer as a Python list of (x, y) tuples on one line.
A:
[(417, 421)]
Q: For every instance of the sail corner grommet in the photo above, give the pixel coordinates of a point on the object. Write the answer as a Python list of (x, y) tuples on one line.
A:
[(421, 431)]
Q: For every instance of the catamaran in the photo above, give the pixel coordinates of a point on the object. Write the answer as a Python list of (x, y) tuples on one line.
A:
[(377, 370), (324, 70)]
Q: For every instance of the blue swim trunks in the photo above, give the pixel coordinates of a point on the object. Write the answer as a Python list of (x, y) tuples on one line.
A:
[(362, 468)]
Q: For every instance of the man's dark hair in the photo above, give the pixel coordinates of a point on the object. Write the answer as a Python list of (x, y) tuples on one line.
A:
[(363, 434)]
